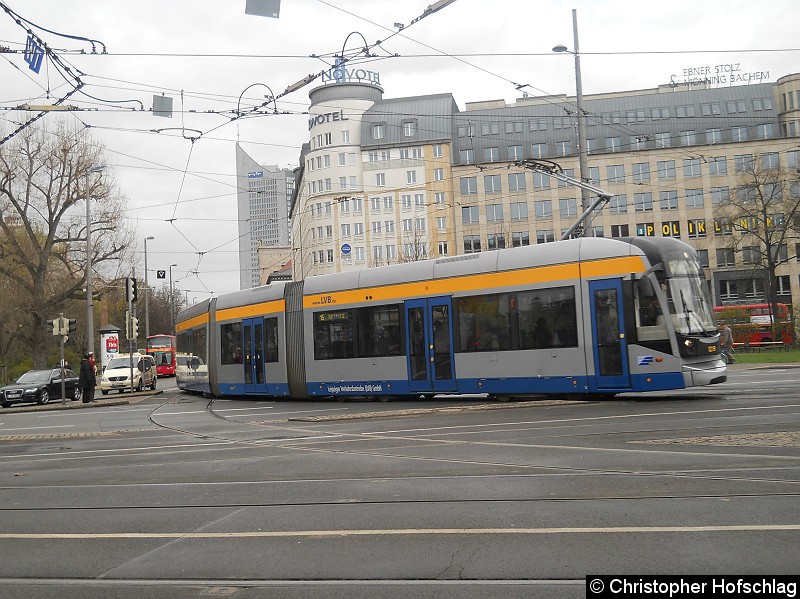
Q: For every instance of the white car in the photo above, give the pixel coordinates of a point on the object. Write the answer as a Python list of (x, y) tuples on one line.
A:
[(117, 374)]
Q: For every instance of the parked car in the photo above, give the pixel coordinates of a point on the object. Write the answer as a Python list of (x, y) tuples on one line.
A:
[(40, 386), (117, 374)]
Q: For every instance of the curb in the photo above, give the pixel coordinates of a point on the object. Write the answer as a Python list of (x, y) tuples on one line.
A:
[(130, 398)]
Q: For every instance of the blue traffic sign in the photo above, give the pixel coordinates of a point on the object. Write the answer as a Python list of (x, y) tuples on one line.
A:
[(34, 54)]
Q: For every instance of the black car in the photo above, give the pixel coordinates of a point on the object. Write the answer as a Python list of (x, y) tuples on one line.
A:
[(40, 386)]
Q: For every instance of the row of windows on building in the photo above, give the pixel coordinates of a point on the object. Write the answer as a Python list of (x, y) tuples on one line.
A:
[(542, 209), (733, 291), (324, 161), (326, 139), (666, 170), (408, 128), (380, 254), (615, 143), (693, 229), (355, 205), (357, 229), (709, 109), (351, 182)]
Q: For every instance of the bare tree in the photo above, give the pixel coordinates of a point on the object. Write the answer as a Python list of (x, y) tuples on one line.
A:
[(761, 221), (416, 246), (44, 181)]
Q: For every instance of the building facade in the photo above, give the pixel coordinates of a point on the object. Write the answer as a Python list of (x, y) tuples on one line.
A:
[(264, 196), (375, 180), (386, 181)]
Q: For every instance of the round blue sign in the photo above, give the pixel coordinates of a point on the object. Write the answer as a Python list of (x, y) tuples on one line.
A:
[(346, 248)]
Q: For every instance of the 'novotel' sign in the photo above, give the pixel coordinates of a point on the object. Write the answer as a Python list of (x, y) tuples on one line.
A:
[(341, 74), (326, 118)]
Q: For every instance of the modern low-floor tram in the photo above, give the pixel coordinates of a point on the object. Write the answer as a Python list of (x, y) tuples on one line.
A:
[(577, 317)]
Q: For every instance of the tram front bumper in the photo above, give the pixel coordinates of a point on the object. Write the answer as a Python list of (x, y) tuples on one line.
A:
[(699, 374)]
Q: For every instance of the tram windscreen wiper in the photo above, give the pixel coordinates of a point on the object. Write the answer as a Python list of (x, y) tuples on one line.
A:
[(689, 314)]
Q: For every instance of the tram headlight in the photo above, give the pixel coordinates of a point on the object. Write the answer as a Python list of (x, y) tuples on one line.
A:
[(689, 348)]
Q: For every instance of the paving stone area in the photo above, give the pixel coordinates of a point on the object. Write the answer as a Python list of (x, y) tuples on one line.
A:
[(775, 439)]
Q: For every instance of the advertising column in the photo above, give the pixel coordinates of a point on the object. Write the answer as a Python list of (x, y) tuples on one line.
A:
[(109, 344)]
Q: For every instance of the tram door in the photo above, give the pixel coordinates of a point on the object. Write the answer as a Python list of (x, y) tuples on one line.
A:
[(608, 328), (429, 338), (253, 355)]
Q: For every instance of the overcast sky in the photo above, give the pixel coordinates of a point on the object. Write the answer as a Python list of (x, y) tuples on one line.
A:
[(205, 53)]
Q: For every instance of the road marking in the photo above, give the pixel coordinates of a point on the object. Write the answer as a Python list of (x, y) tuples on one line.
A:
[(401, 532), (72, 413), (34, 428), (580, 419), (244, 409)]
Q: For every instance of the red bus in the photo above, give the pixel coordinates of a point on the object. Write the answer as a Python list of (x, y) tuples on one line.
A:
[(751, 324), (162, 348)]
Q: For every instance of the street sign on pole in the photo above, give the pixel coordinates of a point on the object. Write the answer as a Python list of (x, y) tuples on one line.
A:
[(34, 54)]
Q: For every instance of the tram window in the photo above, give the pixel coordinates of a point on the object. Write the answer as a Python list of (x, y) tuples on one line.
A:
[(198, 344), (547, 318), (333, 335), (271, 331), (648, 308), (230, 343), (182, 343), (484, 322), (650, 323), (379, 331)]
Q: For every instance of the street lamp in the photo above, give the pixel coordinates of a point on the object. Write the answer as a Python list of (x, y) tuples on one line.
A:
[(583, 169), (89, 299), (171, 302), (146, 291)]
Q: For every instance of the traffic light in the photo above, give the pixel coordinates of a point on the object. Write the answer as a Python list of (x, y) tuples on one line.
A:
[(54, 326), (72, 326), (130, 290), (134, 328)]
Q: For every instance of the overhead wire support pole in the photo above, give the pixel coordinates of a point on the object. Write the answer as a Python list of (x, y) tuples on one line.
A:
[(554, 170)]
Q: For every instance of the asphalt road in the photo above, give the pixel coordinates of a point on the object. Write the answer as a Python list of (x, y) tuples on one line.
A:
[(178, 496)]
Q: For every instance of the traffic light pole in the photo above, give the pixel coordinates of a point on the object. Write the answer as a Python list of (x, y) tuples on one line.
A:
[(61, 322), (131, 322), (129, 328)]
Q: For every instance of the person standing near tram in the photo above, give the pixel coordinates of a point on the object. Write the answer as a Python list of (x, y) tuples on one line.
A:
[(87, 380)]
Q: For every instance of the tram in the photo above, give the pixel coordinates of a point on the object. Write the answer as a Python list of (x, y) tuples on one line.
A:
[(579, 317)]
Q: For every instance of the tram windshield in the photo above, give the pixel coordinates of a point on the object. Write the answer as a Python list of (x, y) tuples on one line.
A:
[(688, 296)]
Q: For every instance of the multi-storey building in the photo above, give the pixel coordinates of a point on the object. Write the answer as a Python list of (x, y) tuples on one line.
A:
[(426, 179), (264, 196), (375, 185)]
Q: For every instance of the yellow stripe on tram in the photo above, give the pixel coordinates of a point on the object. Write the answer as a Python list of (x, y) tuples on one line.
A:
[(260, 309), (480, 282)]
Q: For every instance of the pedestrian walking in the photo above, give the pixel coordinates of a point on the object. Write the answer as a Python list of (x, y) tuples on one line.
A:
[(87, 379), (726, 344)]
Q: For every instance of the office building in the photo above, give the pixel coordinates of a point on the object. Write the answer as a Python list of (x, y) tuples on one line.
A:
[(384, 181), (264, 195)]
